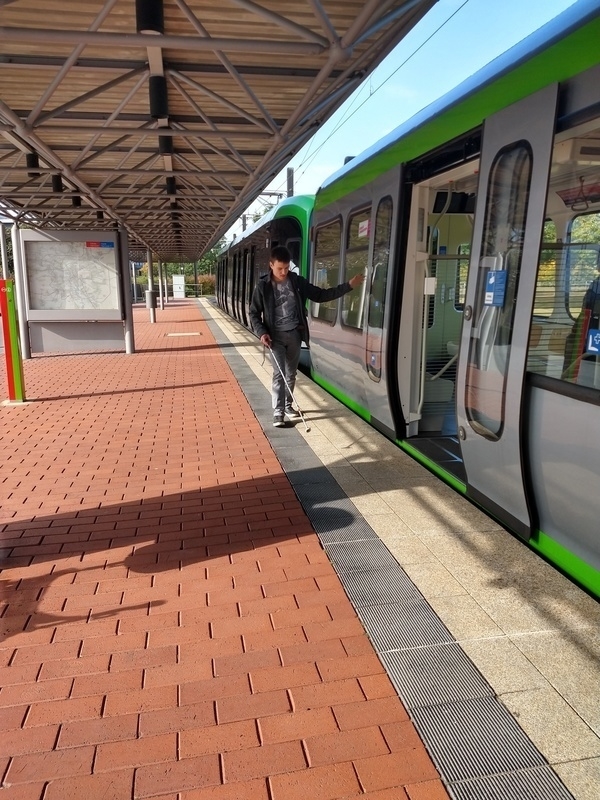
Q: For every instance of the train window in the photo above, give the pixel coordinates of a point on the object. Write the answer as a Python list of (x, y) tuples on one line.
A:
[(377, 292), (583, 262), (582, 343), (462, 271), (293, 245), (499, 263), (546, 290), (567, 299), (358, 236), (326, 268)]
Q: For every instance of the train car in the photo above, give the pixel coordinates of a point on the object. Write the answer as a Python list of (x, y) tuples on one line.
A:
[(475, 343), (247, 257)]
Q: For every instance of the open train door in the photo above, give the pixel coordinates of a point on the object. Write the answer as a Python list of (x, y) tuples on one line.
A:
[(514, 172)]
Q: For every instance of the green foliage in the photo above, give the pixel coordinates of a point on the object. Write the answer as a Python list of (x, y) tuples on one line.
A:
[(586, 228), (205, 266), (258, 214), (9, 250), (583, 266), (205, 285)]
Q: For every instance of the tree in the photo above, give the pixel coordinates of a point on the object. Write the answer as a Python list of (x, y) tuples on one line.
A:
[(208, 263), (205, 266), (258, 214)]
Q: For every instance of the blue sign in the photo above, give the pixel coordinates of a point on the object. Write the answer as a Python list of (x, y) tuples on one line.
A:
[(495, 287), (593, 342)]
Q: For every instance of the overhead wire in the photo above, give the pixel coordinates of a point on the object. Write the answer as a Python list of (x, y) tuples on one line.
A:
[(308, 159), (372, 91)]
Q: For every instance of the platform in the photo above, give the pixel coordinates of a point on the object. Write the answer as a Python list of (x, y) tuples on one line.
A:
[(199, 606)]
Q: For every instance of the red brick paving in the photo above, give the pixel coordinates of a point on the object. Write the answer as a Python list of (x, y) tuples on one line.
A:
[(171, 626)]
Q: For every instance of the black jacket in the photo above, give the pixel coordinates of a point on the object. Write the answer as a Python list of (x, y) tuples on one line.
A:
[(262, 305)]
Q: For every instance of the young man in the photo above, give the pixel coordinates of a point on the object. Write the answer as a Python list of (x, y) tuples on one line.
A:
[(278, 316)]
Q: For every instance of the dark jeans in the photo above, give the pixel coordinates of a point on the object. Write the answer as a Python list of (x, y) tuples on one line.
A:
[(285, 349)]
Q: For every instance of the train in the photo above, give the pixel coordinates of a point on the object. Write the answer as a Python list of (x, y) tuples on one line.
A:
[(474, 341)]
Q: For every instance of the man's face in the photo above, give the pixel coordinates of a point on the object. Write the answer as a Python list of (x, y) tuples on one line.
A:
[(280, 270)]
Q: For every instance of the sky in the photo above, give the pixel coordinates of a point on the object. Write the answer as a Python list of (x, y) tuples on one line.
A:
[(454, 40)]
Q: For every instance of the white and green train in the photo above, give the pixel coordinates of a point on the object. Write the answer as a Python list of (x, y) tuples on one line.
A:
[(475, 341)]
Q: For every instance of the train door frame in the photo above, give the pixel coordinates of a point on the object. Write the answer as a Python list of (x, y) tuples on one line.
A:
[(244, 286), (430, 299), (250, 281), (294, 245), (410, 339), (229, 284), (234, 282), (493, 374)]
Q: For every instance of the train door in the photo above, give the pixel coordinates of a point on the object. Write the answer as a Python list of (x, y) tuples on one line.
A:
[(237, 288), (250, 282), (244, 286), (514, 171), (439, 243)]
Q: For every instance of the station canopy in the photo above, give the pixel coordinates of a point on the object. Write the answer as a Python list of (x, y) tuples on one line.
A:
[(169, 117)]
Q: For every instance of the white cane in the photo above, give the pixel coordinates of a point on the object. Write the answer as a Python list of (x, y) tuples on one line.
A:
[(287, 386)]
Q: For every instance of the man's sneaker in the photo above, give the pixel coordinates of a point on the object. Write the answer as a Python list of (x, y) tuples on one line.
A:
[(292, 415), (278, 420)]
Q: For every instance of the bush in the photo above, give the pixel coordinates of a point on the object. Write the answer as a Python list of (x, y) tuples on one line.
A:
[(206, 285)]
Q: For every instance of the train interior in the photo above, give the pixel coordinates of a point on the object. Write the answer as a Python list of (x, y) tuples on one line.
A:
[(567, 297), (564, 338), (442, 251)]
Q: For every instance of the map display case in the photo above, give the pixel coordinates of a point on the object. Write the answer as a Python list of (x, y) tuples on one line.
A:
[(73, 290)]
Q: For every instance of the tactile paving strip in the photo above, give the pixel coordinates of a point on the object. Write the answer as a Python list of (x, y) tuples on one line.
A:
[(475, 737), (363, 555), (398, 626), (426, 676), (375, 587), (540, 783), (477, 746)]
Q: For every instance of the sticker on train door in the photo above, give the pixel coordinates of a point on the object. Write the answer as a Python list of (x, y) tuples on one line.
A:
[(495, 287), (593, 342)]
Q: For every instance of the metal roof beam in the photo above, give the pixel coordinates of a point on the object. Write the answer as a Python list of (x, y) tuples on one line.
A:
[(385, 20), (8, 60), (217, 98), (228, 156), (189, 43), (324, 20), (144, 132), (130, 94), (235, 156), (141, 170), (231, 192), (231, 69), (58, 78), (128, 116), (105, 87), (282, 22)]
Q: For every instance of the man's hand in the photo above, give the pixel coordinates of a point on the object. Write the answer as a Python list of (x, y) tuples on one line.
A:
[(356, 280), (266, 340)]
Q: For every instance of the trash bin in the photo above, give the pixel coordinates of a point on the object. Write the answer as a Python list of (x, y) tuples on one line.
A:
[(151, 298)]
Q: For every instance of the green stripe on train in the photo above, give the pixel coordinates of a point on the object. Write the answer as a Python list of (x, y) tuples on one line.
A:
[(343, 398), (574, 567), (566, 58)]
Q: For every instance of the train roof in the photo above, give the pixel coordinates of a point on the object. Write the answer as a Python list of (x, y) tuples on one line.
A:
[(563, 47), (299, 206)]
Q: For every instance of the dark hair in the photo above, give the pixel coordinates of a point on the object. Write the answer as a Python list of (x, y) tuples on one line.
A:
[(280, 253)]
